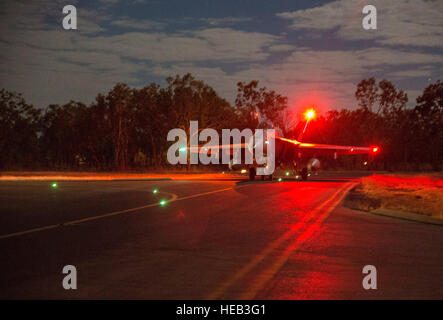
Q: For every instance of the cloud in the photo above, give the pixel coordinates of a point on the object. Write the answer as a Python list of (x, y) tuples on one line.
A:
[(46, 76), (282, 48), (212, 44), (226, 21), (109, 1), (52, 65), (135, 24), (326, 79), (309, 65), (399, 22), (19, 17), (411, 73)]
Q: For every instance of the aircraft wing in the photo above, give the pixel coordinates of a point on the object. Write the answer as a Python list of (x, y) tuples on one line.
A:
[(320, 149), (229, 148), (326, 149), (331, 149)]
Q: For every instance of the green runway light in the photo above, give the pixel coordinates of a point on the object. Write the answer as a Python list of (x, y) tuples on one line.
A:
[(163, 203), (287, 173), (155, 191), (54, 185), (279, 179)]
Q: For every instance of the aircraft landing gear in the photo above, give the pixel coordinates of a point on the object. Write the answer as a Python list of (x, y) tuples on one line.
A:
[(304, 174), (252, 174), (263, 178)]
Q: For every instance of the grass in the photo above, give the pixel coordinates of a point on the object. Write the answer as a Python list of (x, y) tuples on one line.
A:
[(419, 193)]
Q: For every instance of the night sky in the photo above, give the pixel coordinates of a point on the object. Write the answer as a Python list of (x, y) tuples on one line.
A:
[(315, 52)]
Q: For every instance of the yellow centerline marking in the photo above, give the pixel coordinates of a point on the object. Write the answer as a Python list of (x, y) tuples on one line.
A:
[(269, 273), (271, 247)]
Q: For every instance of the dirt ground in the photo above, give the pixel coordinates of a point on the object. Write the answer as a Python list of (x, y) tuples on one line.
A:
[(416, 193)]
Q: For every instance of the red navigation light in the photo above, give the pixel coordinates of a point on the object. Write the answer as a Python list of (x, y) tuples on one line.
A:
[(309, 114), (375, 149)]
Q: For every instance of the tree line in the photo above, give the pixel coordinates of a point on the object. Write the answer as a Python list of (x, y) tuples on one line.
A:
[(126, 129)]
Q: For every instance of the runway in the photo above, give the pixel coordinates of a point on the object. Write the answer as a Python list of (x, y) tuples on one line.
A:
[(208, 239)]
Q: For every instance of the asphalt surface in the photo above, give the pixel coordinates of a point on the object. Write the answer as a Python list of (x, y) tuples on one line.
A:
[(211, 240)]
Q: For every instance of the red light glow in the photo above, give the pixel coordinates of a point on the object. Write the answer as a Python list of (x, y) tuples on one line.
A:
[(309, 96), (309, 114)]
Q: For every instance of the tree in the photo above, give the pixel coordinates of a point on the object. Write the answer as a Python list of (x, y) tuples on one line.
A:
[(151, 106), (259, 107), (391, 100), (428, 116), (385, 96), (391, 118), (19, 126), (366, 93), (62, 138), (194, 100), (118, 114), (126, 128)]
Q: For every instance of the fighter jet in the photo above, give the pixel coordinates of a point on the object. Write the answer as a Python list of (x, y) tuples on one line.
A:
[(301, 155)]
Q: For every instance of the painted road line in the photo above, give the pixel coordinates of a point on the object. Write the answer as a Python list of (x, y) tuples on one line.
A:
[(271, 247), (77, 221), (269, 273), (205, 193), (20, 233), (115, 213), (173, 198)]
